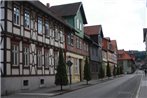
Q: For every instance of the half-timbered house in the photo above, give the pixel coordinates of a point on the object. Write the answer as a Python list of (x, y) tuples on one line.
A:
[(31, 37), (76, 45)]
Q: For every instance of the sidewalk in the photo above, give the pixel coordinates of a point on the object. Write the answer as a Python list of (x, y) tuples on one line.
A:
[(143, 88), (53, 91)]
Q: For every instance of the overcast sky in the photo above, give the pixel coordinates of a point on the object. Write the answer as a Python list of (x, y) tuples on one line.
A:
[(122, 20)]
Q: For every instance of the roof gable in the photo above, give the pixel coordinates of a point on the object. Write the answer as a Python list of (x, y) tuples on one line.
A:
[(93, 30), (124, 55), (69, 10), (114, 45)]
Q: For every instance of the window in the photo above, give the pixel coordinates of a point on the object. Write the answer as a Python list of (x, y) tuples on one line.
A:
[(40, 25), (47, 29), (68, 39), (78, 43), (25, 82), (56, 58), (78, 23), (80, 26), (15, 54), (16, 15), (61, 36), (56, 33), (26, 57), (46, 58), (27, 19), (72, 39), (41, 81), (39, 57), (77, 66)]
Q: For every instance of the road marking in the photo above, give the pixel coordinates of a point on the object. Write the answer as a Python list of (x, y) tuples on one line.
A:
[(138, 91)]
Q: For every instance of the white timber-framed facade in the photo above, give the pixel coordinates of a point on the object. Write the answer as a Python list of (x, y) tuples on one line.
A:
[(31, 37)]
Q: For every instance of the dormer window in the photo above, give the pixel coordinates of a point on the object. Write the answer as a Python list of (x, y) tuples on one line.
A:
[(78, 23)]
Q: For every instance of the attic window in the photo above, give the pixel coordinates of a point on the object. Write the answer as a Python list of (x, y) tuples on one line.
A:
[(78, 23)]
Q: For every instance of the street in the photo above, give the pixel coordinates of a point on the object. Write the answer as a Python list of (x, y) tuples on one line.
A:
[(123, 87)]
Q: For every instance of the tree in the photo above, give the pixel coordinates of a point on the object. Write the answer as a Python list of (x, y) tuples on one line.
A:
[(118, 70), (87, 74), (121, 70), (108, 71), (101, 72), (61, 75), (114, 71)]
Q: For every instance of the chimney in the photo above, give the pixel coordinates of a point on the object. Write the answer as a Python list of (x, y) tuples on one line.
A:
[(48, 5)]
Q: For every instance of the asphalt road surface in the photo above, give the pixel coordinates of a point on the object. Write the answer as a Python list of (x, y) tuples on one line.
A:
[(124, 87)]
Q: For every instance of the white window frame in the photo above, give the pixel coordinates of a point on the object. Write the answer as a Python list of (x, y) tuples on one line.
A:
[(46, 62), (26, 56), (27, 19), (40, 25), (61, 36), (47, 28), (76, 66), (15, 55), (78, 23), (16, 15), (39, 57)]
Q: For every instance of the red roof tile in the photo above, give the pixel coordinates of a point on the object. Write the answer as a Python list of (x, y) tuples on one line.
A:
[(124, 55), (114, 45), (92, 30)]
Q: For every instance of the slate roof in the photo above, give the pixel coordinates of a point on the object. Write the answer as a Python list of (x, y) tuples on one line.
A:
[(69, 10), (92, 30)]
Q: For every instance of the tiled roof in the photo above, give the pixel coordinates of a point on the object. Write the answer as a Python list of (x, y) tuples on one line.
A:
[(114, 45), (104, 44), (69, 10), (124, 55), (92, 30)]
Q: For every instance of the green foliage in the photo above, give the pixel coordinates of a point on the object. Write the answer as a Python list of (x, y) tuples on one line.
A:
[(87, 74), (121, 70), (101, 72), (114, 71), (61, 75), (108, 70), (118, 70)]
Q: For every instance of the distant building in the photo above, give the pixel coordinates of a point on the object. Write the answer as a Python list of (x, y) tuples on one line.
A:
[(125, 61), (95, 48), (109, 54), (145, 37)]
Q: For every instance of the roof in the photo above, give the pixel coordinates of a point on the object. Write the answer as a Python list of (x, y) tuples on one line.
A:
[(114, 45), (144, 34), (123, 55), (45, 9), (104, 44), (92, 30), (69, 10)]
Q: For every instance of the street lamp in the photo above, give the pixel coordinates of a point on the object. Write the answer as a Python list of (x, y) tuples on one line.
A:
[(69, 64)]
